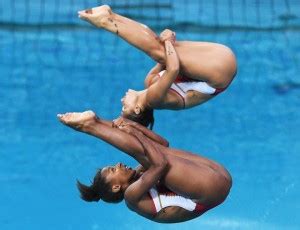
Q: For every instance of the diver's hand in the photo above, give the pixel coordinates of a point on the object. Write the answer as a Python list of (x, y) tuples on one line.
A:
[(125, 125), (117, 122), (122, 121), (127, 128), (168, 35)]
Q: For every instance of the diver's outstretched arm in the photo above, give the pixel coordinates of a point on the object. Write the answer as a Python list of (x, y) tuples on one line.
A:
[(88, 123), (157, 169), (158, 91), (131, 31)]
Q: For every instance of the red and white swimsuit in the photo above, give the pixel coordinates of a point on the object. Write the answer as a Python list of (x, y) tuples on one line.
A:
[(163, 197), (183, 84)]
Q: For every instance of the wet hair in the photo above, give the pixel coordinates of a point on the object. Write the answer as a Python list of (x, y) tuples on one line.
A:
[(145, 118), (99, 189)]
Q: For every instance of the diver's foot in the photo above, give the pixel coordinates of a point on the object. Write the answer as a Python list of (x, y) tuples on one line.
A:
[(98, 16), (78, 121)]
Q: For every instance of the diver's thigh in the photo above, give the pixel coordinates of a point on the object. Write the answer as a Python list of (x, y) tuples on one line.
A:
[(188, 178)]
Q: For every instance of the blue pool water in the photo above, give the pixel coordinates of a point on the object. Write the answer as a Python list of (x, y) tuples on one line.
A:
[(253, 128)]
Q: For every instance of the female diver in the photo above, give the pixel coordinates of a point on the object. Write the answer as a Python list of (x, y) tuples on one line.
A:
[(192, 75), (170, 186)]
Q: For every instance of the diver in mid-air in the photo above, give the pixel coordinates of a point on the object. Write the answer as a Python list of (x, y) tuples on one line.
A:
[(169, 186), (187, 73)]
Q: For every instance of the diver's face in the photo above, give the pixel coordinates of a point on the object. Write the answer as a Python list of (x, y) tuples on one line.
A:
[(118, 174), (129, 102)]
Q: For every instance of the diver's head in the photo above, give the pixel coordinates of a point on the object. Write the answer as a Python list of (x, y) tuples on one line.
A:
[(109, 184), (134, 109), (130, 103)]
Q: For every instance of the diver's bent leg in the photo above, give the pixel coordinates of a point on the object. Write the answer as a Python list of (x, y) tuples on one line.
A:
[(200, 160), (131, 31), (141, 36), (88, 123)]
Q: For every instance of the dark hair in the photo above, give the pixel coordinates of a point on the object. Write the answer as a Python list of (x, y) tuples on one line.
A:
[(99, 189), (145, 118)]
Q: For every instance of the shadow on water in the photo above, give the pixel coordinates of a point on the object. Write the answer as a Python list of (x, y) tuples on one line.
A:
[(285, 87)]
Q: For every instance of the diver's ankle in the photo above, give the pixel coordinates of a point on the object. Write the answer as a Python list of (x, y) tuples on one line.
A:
[(109, 23), (88, 125)]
